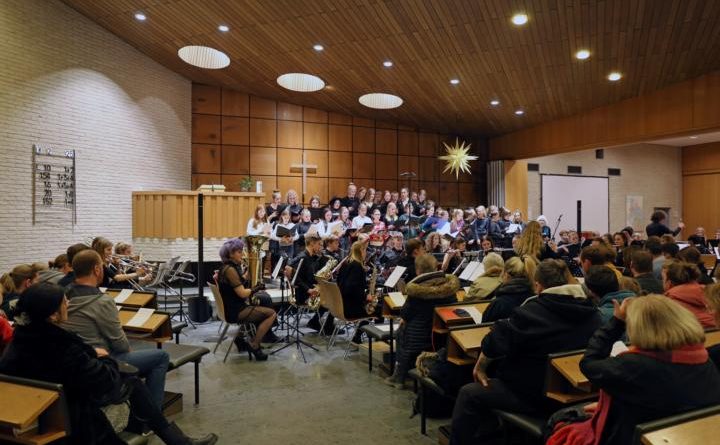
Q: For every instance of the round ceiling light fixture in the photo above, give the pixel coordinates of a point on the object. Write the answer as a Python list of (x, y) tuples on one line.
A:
[(387, 63), (140, 17), (519, 112), (614, 76), (318, 47), (494, 102), (304, 83), (380, 101), (204, 57), (519, 19), (454, 81), (582, 54), (223, 28)]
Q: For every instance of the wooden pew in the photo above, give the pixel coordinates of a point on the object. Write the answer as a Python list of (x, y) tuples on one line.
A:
[(698, 427), (564, 381), (157, 328), (444, 317), (138, 299), (464, 342)]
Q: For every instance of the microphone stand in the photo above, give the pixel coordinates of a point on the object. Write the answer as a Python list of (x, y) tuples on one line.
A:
[(557, 224)]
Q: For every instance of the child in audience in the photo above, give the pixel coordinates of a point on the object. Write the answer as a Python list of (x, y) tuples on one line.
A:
[(665, 372), (680, 281), (602, 282)]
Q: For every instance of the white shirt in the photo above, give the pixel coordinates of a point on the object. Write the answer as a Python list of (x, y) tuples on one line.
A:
[(360, 221), (252, 230)]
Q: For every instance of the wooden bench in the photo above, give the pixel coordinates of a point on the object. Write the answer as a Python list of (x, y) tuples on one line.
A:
[(697, 427), (564, 381), (444, 316), (157, 328), (137, 299), (464, 342)]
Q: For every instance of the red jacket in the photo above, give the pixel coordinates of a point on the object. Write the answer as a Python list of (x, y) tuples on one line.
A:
[(6, 333), (692, 297)]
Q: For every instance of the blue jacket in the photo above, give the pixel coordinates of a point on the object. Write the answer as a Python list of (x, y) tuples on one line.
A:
[(606, 303)]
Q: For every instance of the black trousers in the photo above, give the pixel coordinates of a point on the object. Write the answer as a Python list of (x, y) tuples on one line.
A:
[(472, 416), (143, 411)]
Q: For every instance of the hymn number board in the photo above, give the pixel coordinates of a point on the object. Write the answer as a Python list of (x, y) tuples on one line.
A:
[(53, 185)]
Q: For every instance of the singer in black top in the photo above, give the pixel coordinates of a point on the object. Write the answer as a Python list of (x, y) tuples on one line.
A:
[(235, 292)]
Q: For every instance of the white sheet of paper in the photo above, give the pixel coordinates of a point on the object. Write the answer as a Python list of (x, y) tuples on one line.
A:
[(468, 271), (479, 270), (466, 289), (395, 276), (123, 295), (474, 313), (397, 298), (514, 228), (278, 266), (102, 289), (140, 318), (119, 308), (717, 253), (618, 347), (335, 228), (383, 327)]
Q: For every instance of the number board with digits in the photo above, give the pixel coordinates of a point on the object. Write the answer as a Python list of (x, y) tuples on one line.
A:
[(54, 182)]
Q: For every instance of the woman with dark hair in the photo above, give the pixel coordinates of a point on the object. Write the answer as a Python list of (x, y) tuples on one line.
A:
[(42, 350), (111, 275), (658, 228), (236, 294), (14, 283), (680, 281)]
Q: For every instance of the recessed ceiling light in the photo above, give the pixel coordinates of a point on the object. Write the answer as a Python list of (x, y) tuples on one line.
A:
[(317, 47), (387, 63), (495, 102), (223, 28), (519, 19), (614, 76), (582, 54), (140, 16), (454, 81), (204, 57), (304, 83), (519, 112), (380, 101), (693, 137)]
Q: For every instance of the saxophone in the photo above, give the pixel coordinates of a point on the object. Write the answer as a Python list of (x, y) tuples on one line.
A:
[(371, 305), (326, 274)]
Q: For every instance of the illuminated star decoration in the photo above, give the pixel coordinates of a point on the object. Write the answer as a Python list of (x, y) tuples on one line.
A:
[(457, 158)]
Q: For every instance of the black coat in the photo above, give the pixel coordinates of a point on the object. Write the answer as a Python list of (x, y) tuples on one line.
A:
[(507, 297), (351, 280), (659, 229), (650, 284), (643, 388), (306, 276), (43, 351), (555, 321)]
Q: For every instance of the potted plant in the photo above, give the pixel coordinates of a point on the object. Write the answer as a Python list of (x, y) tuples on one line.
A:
[(246, 184)]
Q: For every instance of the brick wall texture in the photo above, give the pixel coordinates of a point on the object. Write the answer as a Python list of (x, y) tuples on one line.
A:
[(66, 82)]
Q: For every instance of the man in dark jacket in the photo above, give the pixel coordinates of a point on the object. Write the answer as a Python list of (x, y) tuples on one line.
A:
[(658, 228), (306, 266), (560, 318), (641, 266)]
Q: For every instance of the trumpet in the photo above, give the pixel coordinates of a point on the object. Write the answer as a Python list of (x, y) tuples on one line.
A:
[(132, 262)]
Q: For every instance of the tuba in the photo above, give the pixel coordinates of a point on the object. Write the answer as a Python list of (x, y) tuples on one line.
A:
[(326, 274), (254, 245), (371, 305)]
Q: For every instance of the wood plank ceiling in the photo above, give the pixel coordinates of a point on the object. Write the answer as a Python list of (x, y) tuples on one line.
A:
[(652, 42)]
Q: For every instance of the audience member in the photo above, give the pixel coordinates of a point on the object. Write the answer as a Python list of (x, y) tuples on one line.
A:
[(693, 256), (13, 284), (58, 268), (71, 252), (680, 283), (598, 255), (518, 285), (485, 285), (603, 283)]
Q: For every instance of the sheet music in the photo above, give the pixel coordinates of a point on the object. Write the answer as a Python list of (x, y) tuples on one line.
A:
[(395, 276), (140, 318), (469, 270), (383, 327), (102, 289), (479, 270), (335, 228), (397, 298), (278, 267), (474, 313), (123, 295), (618, 348), (514, 228)]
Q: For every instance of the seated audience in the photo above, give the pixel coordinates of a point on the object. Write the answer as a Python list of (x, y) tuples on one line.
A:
[(692, 255), (237, 296), (654, 246), (658, 228), (13, 284), (665, 372), (485, 285), (6, 330), (41, 350), (631, 284), (670, 250), (518, 285), (58, 268), (71, 252), (712, 294), (428, 290), (598, 255), (560, 318), (93, 316), (602, 282), (680, 281)]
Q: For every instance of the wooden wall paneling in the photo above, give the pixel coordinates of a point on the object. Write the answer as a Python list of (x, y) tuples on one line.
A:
[(386, 141), (669, 110), (448, 194), (320, 159), (263, 161), (387, 184), (179, 216), (289, 112), (269, 183), (407, 164), (206, 129), (319, 187), (386, 125), (702, 158), (337, 187), (289, 134), (516, 185), (263, 132), (698, 192), (315, 136), (340, 164), (386, 167), (442, 175), (364, 165), (205, 99), (235, 130), (286, 158), (202, 178), (427, 169), (235, 160), (340, 138), (467, 195), (362, 122), (205, 158), (431, 188), (262, 108), (232, 182), (363, 139), (235, 103), (315, 115), (339, 119), (286, 183), (706, 97), (428, 144), (148, 221), (408, 143)]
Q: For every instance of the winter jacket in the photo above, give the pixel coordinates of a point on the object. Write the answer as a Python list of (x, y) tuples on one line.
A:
[(507, 297), (93, 316), (692, 297), (559, 319), (50, 276), (650, 284), (6, 334), (643, 388), (605, 305), (484, 287), (43, 351)]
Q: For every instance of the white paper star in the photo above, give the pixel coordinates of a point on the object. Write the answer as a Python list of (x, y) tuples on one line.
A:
[(457, 158)]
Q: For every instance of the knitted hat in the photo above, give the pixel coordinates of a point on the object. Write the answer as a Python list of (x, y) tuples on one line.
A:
[(40, 301)]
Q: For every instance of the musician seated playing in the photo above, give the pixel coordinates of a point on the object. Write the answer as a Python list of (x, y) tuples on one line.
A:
[(112, 276), (353, 287), (236, 295), (93, 316)]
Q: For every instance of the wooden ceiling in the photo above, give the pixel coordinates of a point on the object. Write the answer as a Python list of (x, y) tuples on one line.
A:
[(652, 42)]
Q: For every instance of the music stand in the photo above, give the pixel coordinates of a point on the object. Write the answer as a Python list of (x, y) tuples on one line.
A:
[(278, 272), (297, 341), (179, 274)]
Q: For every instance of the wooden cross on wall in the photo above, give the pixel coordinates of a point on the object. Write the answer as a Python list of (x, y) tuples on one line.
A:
[(305, 168)]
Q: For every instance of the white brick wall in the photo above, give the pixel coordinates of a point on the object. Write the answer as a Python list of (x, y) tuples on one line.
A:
[(651, 171), (68, 83)]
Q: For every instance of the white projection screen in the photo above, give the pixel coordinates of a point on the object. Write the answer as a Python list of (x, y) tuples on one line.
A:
[(559, 195)]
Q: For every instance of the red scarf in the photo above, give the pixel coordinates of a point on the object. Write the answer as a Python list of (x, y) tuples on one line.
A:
[(590, 431)]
